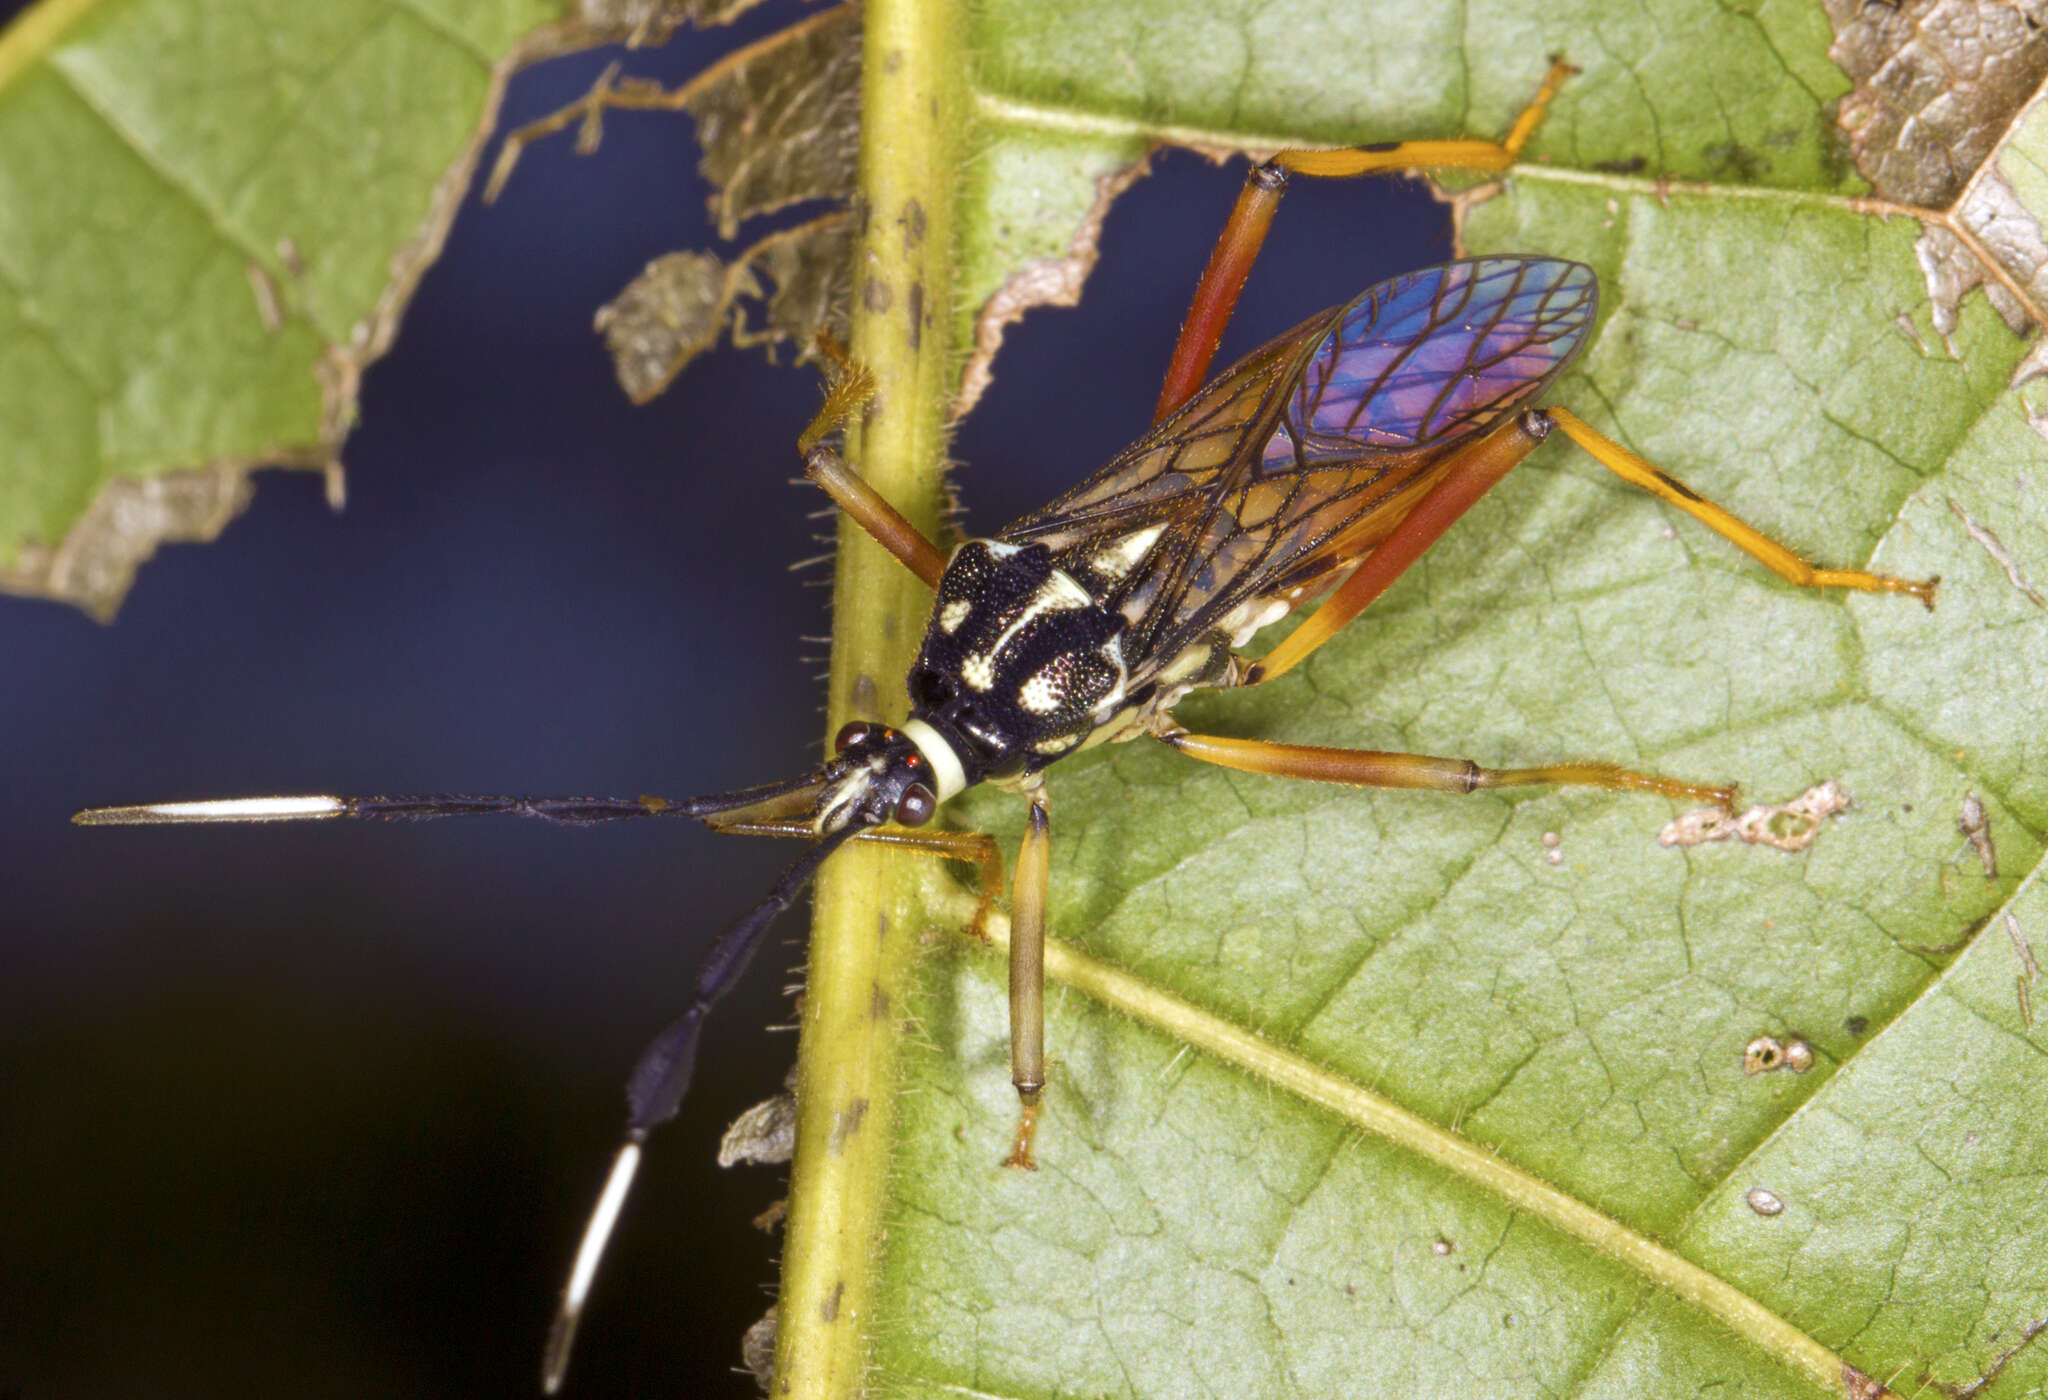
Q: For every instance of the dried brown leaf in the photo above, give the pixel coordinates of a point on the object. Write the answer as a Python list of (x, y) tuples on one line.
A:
[(779, 121), (681, 303), (811, 269), (1938, 83), (671, 313), (648, 22), (1942, 87)]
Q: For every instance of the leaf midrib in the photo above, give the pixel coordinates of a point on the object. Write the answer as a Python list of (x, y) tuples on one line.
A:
[(1294, 1073)]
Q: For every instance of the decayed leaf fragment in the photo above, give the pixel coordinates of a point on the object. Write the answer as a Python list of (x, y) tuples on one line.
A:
[(646, 22), (780, 120), (1946, 120), (779, 124), (811, 267), (95, 563), (681, 303)]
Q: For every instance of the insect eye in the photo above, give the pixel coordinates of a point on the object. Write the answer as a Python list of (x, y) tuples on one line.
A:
[(916, 806), (853, 732)]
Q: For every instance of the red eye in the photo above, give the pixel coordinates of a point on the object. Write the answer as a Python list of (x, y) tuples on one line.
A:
[(916, 806), (854, 732)]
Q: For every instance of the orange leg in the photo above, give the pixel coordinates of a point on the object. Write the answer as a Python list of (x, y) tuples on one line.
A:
[(1245, 231), (1370, 768), (1759, 546), (1027, 933), (848, 490), (1467, 477), (1475, 470)]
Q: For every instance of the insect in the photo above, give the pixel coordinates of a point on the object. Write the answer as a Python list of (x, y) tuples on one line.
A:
[(1321, 465)]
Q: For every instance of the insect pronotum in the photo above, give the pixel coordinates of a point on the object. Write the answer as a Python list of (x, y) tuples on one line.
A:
[(1322, 464)]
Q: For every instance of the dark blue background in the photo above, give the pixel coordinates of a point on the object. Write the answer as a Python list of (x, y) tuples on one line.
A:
[(319, 1110)]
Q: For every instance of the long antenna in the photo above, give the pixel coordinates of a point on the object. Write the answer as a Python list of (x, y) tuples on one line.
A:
[(657, 1086), (661, 1079), (574, 811)]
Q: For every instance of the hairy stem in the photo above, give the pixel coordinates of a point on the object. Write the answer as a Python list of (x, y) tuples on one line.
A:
[(913, 112)]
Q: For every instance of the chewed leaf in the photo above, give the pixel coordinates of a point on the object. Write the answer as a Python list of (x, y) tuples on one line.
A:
[(1538, 976), (143, 377), (176, 308)]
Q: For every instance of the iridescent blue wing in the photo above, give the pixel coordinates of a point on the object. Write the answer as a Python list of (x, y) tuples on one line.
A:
[(1294, 462), (1437, 356)]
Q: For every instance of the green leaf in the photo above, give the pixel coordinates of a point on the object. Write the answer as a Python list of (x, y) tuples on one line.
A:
[(1354, 1093), (1388, 1093), (211, 217)]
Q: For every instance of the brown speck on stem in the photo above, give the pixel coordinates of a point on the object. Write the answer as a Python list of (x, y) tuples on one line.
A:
[(846, 1125)]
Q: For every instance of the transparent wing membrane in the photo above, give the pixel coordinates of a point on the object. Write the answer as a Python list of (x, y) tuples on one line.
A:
[(1445, 354), (1294, 462)]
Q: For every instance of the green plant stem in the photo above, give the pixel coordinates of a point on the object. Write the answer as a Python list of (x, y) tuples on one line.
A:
[(913, 116), (35, 32)]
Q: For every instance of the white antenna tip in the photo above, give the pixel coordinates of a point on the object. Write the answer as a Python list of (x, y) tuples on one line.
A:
[(596, 1235), (231, 809)]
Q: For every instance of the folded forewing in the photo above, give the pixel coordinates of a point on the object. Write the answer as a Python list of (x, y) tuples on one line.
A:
[(1303, 454)]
